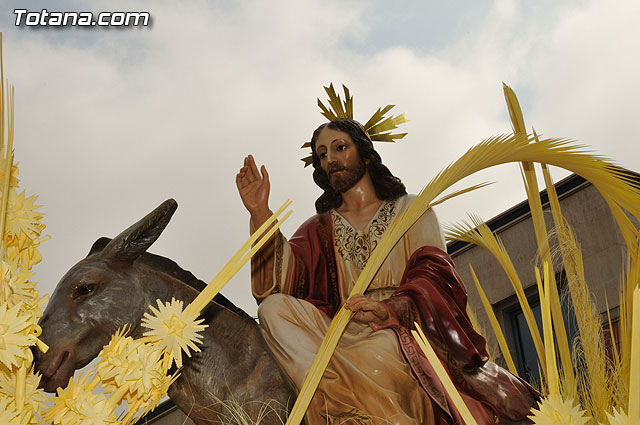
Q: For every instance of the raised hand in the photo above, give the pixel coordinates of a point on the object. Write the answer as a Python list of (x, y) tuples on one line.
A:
[(253, 187), (366, 310)]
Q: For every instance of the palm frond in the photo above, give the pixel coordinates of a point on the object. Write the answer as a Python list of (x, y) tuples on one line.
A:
[(443, 376), (478, 233), (497, 330), (619, 391), (460, 192), (595, 381), (630, 233), (631, 281), (481, 329), (544, 289), (537, 218), (250, 247), (515, 112), (8, 154), (634, 369)]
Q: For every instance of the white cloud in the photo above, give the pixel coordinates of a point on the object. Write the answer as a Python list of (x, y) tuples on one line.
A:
[(587, 83)]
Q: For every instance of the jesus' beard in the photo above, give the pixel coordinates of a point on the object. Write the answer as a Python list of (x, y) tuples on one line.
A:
[(344, 181)]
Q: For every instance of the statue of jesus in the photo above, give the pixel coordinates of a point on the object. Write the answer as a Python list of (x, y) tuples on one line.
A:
[(378, 374)]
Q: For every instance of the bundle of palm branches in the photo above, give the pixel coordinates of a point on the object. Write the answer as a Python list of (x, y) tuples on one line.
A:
[(20, 303), (602, 390)]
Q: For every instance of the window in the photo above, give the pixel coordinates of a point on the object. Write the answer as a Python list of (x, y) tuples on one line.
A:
[(522, 347)]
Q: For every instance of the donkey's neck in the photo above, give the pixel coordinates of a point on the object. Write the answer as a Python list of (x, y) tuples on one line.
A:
[(156, 286)]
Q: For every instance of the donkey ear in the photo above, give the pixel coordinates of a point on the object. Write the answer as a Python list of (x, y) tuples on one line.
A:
[(135, 240), (99, 245)]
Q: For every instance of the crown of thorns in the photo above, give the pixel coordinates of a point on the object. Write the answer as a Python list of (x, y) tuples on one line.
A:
[(378, 127)]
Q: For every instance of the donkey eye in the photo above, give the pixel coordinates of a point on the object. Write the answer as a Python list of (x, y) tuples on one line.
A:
[(85, 289)]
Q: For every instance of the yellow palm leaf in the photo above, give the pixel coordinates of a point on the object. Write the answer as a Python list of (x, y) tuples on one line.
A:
[(460, 192), (257, 239), (634, 368), (544, 289), (537, 218), (504, 348), (478, 233), (8, 154), (447, 383), (556, 411), (618, 386), (631, 281), (595, 388)]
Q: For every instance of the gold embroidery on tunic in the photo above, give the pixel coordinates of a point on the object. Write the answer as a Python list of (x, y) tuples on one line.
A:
[(278, 252), (356, 246)]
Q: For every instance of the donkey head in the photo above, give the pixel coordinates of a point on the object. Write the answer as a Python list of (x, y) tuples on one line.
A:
[(98, 295)]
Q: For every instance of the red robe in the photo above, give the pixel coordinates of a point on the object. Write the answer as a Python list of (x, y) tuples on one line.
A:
[(432, 294)]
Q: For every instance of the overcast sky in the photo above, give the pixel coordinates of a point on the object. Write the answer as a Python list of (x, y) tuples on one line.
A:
[(111, 122)]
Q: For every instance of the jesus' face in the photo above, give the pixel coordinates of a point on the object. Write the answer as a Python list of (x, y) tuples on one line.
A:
[(339, 158)]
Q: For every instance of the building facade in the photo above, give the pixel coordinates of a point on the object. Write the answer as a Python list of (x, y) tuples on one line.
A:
[(604, 256)]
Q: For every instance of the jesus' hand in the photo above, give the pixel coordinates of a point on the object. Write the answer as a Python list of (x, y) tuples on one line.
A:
[(367, 311), (253, 187)]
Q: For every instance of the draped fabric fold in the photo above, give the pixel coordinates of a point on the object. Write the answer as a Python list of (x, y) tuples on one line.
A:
[(433, 295)]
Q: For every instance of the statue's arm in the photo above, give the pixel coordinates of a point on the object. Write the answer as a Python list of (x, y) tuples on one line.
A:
[(254, 187), (270, 267), (281, 265), (427, 232)]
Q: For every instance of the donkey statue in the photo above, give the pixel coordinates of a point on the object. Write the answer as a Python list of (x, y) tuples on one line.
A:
[(114, 285)]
